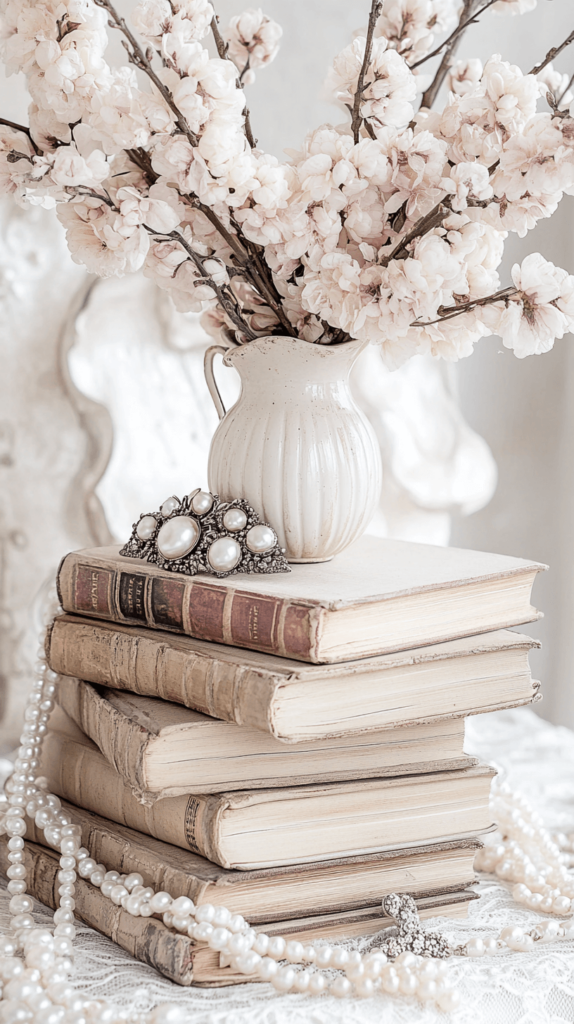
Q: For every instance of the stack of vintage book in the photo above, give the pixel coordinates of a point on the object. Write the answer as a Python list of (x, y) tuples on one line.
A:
[(288, 746)]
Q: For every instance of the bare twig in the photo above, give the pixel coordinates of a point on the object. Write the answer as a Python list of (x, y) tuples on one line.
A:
[(357, 120), (225, 296), (564, 91), (464, 22), (141, 61), (450, 45), (222, 50), (422, 227), (20, 128), (450, 312), (552, 53)]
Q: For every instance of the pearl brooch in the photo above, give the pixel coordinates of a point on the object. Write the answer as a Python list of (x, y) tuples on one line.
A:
[(202, 534)]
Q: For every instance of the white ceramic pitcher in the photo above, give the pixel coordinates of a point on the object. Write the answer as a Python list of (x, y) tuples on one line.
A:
[(295, 445)]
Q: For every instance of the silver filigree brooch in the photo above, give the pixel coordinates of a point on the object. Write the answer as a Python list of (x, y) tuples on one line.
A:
[(202, 534)]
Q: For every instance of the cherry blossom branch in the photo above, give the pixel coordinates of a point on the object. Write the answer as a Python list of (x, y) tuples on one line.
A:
[(356, 119), (552, 53), (222, 50), (224, 295), (450, 312), (450, 45), (137, 57), (20, 128), (564, 91)]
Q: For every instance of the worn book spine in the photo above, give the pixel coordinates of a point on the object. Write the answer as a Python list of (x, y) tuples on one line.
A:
[(147, 939), (168, 869), (223, 614), (153, 667), (79, 772), (122, 741)]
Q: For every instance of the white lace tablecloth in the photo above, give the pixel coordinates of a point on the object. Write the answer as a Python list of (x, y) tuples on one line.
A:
[(510, 988)]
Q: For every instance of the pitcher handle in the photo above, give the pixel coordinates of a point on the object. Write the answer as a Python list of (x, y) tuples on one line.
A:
[(210, 354)]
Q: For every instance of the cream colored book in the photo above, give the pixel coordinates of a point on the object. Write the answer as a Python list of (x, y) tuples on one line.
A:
[(293, 701), (376, 596), (285, 892), (183, 960), (270, 827), (162, 749)]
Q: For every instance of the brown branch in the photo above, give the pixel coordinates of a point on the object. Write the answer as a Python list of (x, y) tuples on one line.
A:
[(140, 60), (450, 312), (552, 53), (222, 50), (20, 128), (422, 227), (464, 22), (357, 120), (451, 45), (564, 91), (224, 295)]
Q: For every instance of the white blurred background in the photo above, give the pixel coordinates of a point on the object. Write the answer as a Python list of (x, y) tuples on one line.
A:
[(104, 412)]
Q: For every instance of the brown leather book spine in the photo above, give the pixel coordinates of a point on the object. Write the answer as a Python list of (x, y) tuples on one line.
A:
[(147, 939), (221, 614)]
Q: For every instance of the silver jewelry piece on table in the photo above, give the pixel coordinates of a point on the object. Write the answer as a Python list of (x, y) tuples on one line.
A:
[(202, 534), (411, 936)]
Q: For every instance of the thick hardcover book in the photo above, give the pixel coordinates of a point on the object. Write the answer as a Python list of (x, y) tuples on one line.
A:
[(293, 701), (271, 827), (375, 597), (162, 749), (282, 893), (182, 959)]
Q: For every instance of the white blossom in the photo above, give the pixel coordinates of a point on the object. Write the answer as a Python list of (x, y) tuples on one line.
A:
[(387, 99), (464, 76), (253, 41), (540, 311), (71, 169), (409, 26), (555, 82), (514, 6), (468, 181), (100, 239)]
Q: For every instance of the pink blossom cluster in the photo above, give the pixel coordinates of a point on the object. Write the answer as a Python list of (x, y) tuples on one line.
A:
[(389, 227)]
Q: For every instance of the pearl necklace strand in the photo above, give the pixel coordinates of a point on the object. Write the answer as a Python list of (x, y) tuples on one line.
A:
[(35, 985)]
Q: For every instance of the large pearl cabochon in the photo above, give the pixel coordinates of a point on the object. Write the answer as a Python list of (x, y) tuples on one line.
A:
[(146, 527), (234, 519), (224, 554), (178, 537), (260, 538), (202, 502), (169, 505)]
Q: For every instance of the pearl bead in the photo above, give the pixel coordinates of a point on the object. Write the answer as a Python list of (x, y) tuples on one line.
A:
[(21, 905), (449, 1000), (339, 958), (407, 982), (202, 502), (277, 947), (117, 892), (132, 880), (475, 947), (221, 916), (302, 979), (317, 984), (340, 987), (160, 902), (16, 886), (146, 527), (294, 951), (205, 912), (267, 968), (389, 979), (234, 519), (224, 554), (87, 867), (365, 988), (323, 958), (490, 947), (260, 538), (202, 931), (261, 944), (169, 505), (284, 979), (248, 962), (177, 537), (561, 905)]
